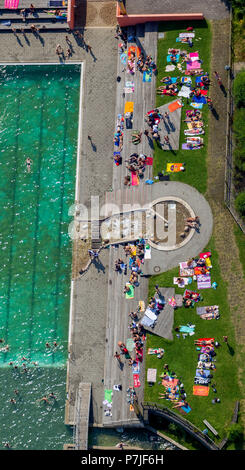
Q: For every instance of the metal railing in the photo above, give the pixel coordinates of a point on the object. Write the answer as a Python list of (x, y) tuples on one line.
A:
[(186, 425)]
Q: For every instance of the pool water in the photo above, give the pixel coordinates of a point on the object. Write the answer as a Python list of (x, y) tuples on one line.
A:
[(39, 119)]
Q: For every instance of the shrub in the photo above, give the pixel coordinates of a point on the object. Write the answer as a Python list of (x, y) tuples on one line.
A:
[(239, 89), (239, 125), (240, 204), (235, 432)]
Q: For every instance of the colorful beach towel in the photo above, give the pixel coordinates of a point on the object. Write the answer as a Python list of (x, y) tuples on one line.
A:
[(200, 390), (108, 395), (134, 179), (130, 293), (174, 167), (147, 75), (203, 281), (193, 65), (129, 107)]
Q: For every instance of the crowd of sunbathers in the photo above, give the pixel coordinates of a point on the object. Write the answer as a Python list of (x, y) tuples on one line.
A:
[(145, 64)]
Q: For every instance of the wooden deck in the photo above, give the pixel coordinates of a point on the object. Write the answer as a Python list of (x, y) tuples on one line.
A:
[(165, 320), (81, 418), (118, 306)]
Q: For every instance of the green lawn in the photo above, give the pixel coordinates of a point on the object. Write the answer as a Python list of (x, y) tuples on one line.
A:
[(195, 160), (181, 354)]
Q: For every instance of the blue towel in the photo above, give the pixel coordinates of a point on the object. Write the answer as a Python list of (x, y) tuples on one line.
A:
[(147, 76), (169, 59), (199, 99)]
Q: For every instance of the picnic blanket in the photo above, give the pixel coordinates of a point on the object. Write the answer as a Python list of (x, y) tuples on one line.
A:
[(202, 310), (190, 330), (174, 167), (130, 344), (169, 68), (186, 272), (200, 390), (203, 372), (193, 65), (136, 368), (186, 35), (184, 280), (151, 314), (194, 56), (170, 55), (185, 91), (198, 125), (199, 99), (175, 105), (203, 281), (151, 375), (191, 146), (195, 131), (146, 321), (196, 105), (159, 352), (185, 81)]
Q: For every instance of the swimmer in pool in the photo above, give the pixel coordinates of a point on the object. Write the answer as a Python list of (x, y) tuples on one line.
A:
[(28, 164)]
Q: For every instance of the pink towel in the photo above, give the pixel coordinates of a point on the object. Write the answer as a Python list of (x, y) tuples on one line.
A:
[(135, 179), (11, 3), (193, 65), (194, 56)]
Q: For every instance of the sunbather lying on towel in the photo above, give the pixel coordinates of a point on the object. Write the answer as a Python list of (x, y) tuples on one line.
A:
[(193, 72), (136, 137), (210, 316), (204, 342)]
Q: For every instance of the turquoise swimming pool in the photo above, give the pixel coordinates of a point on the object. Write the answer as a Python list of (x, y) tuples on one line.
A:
[(39, 120)]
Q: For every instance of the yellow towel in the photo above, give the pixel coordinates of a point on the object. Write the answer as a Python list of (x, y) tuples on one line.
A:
[(129, 107)]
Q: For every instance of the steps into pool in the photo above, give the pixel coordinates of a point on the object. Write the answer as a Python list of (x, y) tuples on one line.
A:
[(43, 19)]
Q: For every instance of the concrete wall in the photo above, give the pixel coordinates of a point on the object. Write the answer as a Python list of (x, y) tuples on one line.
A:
[(71, 14), (130, 20)]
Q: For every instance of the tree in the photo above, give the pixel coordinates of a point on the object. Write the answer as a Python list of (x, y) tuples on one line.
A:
[(240, 204)]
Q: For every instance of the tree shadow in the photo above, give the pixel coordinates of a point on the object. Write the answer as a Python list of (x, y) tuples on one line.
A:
[(215, 114)]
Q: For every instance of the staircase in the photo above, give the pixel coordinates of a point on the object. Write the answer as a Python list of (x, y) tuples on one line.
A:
[(42, 18)]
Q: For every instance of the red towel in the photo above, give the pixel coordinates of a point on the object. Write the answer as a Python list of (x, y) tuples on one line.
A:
[(136, 380), (149, 161)]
